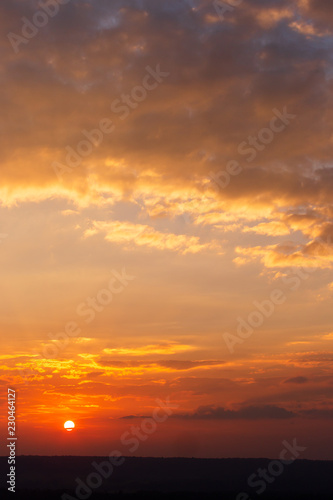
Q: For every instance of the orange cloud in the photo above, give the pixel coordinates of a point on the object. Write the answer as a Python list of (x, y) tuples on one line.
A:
[(143, 235)]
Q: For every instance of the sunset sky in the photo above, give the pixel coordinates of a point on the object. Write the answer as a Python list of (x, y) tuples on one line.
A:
[(203, 183)]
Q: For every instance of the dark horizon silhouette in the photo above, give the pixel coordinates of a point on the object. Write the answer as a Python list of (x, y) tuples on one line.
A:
[(142, 477)]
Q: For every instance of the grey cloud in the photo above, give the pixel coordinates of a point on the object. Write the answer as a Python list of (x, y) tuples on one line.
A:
[(246, 413), (297, 380)]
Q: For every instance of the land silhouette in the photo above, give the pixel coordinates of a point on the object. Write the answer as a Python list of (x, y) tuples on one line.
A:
[(165, 478)]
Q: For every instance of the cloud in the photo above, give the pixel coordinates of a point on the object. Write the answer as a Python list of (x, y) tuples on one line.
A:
[(181, 131), (297, 380), (325, 413), (319, 12), (315, 254), (176, 364), (161, 348), (143, 235), (246, 413), (160, 158), (273, 228), (249, 413), (132, 417), (133, 367)]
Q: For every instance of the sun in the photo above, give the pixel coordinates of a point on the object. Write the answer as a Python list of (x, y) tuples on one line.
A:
[(69, 425)]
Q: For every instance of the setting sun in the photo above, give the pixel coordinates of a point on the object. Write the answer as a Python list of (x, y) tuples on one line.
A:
[(69, 425)]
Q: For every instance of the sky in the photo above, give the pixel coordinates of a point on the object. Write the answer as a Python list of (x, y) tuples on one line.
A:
[(165, 226)]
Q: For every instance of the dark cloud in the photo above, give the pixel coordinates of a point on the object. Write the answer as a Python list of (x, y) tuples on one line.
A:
[(172, 363), (320, 12), (246, 413), (187, 365), (131, 417), (318, 413), (296, 380)]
